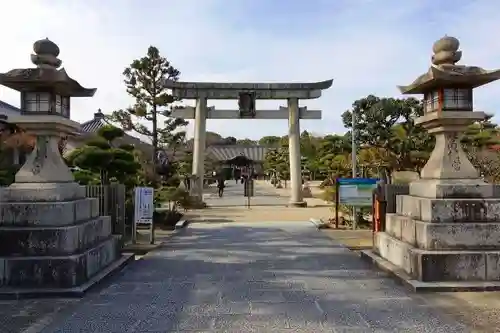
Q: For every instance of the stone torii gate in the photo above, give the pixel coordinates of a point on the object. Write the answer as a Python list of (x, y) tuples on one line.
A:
[(247, 94)]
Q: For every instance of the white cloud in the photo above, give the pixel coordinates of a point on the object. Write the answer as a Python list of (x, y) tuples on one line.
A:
[(366, 46)]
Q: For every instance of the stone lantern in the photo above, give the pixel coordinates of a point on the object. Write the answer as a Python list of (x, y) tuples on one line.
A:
[(52, 238), (448, 107), (45, 110), (447, 90), (446, 233)]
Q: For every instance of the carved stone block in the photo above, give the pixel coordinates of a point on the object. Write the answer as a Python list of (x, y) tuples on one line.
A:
[(457, 236), (493, 266), (446, 189), (42, 192), (60, 271), (448, 210), (449, 265), (54, 241), (48, 213), (100, 257), (444, 265)]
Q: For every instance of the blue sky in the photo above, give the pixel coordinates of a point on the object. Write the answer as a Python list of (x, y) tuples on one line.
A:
[(366, 46)]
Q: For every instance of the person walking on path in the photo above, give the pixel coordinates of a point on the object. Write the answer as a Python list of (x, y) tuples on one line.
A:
[(220, 186)]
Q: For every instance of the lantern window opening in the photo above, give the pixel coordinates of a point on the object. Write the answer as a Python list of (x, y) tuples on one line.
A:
[(459, 99), (45, 102), (37, 102), (65, 106), (58, 104), (431, 101)]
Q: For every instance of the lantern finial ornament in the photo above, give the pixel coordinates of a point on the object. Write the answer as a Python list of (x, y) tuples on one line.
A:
[(446, 51), (46, 52)]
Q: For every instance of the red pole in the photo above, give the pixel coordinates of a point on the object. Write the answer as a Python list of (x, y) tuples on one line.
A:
[(336, 203)]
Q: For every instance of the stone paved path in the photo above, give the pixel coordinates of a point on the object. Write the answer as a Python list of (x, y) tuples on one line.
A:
[(233, 196), (253, 277)]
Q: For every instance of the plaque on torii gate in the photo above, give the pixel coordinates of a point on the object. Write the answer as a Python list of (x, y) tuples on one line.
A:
[(246, 94)]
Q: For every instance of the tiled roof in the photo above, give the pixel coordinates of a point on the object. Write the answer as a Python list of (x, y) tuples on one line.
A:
[(95, 124), (224, 153)]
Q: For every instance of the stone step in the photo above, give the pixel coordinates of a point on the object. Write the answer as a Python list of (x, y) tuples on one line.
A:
[(48, 213), (53, 241), (448, 210), (453, 188), (42, 192), (444, 236), (58, 271), (428, 266)]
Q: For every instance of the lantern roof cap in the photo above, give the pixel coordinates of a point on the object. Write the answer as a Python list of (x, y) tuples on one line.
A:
[(444, 72), (46, 75)]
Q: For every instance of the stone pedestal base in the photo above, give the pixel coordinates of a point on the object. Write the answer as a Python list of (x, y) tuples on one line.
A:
[(437, 266), (197, 203), (52, 238), (454, 239), (297, 204), (306, 192), (451, 188), (419, 286)]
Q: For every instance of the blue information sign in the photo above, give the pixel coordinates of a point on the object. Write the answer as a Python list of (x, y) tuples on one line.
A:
[(356, 191)]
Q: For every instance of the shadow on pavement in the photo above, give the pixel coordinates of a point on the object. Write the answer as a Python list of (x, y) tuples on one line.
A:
[(235, 278)]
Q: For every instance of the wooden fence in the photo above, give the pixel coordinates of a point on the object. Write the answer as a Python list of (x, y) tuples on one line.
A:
[(112, 203)]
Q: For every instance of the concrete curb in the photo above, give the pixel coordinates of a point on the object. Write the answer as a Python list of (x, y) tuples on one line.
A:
[(317, 222), (182, 224)]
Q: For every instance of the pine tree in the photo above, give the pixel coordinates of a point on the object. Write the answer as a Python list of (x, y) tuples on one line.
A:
[(144, 80)]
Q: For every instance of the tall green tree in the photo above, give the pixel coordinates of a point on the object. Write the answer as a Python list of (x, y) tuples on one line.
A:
[(230, 140), (270, 140), (481, 142), (245, 142), (332, 156), (277, 162), (308, 145), (482, 134), (388, 124), (144, 80)]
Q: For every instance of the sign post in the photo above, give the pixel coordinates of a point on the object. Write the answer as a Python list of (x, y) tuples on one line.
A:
[(143, 211), (248, 190), (355, 192), (336, 203)]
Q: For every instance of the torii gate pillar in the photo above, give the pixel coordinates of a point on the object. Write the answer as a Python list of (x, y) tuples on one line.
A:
[(296, 197), (200, 129)]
